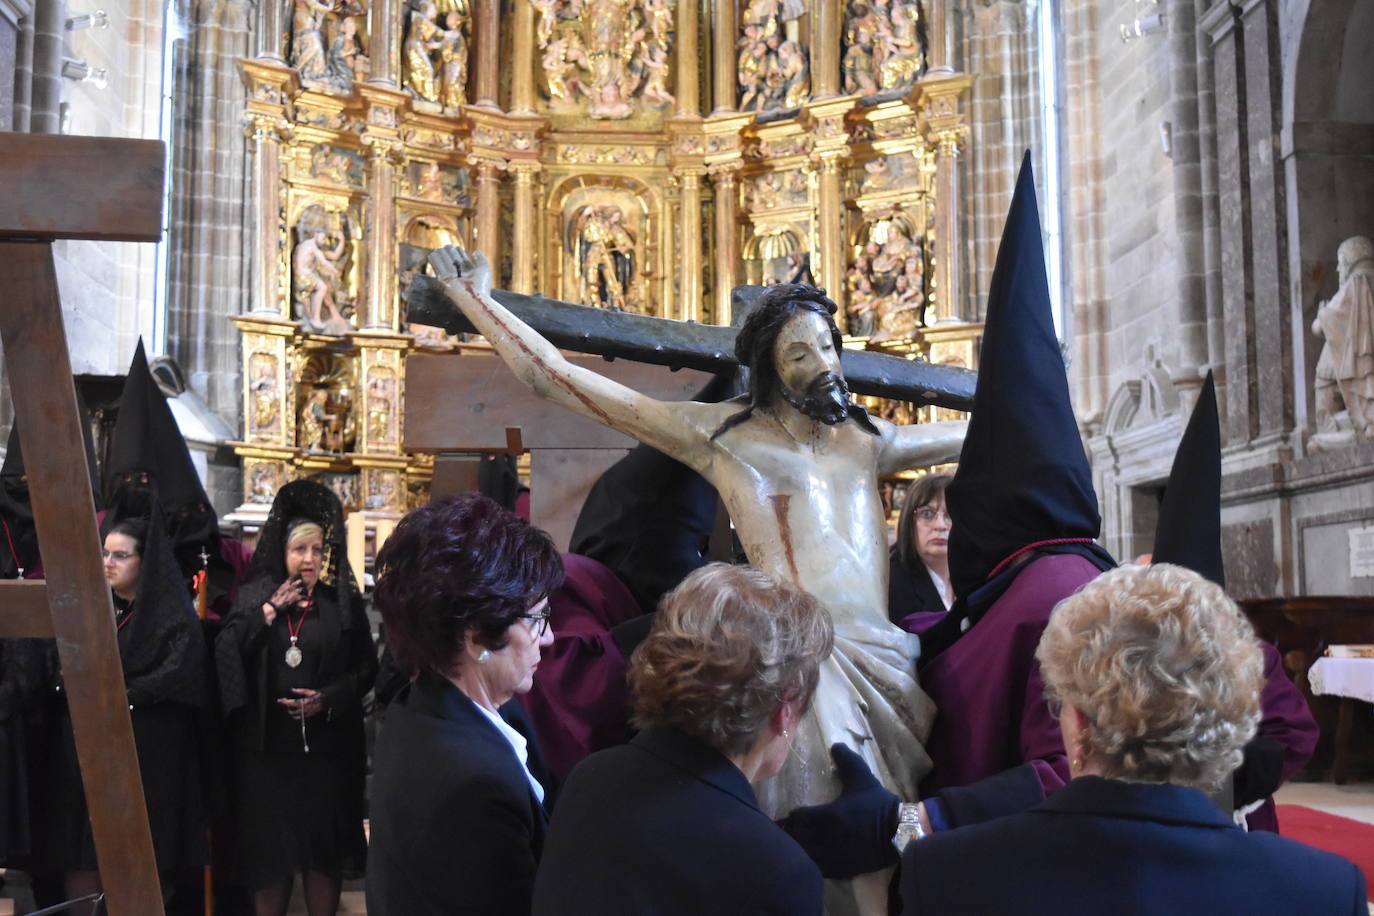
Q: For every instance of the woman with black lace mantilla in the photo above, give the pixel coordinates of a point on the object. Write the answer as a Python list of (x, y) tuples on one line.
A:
[(162, 652), (295, 659)]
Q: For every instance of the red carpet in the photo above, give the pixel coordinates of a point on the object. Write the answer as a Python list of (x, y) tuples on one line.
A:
[(1350, 838)]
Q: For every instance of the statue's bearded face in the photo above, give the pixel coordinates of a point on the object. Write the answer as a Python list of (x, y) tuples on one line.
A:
[(808, 368)]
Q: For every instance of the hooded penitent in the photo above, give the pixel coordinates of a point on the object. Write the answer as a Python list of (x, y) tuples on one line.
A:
[(19, 548), (149, 450), (1024, 517), (1023, 477), (1189, 535), (160, 640), (649, 516)]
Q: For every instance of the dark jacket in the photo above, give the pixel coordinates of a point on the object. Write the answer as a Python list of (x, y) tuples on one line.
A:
[(456, 827), (910, 591), (1104, 846), (667, 825)]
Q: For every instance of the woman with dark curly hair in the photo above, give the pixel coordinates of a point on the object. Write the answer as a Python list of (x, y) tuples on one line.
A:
[(669, 823), (459, 789)]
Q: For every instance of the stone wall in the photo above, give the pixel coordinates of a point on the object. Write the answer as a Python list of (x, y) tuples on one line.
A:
[(1218, 237)]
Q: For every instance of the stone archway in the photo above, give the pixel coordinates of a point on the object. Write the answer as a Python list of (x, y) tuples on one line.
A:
[(1327, 146)]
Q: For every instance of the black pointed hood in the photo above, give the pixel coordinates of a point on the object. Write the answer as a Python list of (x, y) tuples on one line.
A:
[(1023, 477), (1189, 529), (149, 450), (648, 517)]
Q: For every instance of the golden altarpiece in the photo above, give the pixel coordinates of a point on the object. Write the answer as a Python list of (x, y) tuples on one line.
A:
[(644, 155)]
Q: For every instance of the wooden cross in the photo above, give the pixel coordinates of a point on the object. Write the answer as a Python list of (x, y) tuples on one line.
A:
[(55, 187)]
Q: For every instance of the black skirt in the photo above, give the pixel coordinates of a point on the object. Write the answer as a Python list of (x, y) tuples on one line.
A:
[(300, 812), (169, 761)]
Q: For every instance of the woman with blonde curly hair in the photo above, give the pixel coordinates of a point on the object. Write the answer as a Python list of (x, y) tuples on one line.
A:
[(1156, 676), (669, 823)]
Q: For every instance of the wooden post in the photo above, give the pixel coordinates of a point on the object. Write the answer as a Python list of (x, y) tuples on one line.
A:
[(98, 188), (489, 213), (522, 77), (523, 238)]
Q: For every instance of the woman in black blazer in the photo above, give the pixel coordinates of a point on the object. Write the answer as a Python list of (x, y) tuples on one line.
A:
[(669, 823), (458, 787), (1158, 676), (918, 563)]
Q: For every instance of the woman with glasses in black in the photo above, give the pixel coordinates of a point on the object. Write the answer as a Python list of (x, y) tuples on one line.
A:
[(459, 790)]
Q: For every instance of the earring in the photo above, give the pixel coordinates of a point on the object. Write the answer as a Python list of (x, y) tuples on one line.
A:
[(486, 654), (1075, 766)]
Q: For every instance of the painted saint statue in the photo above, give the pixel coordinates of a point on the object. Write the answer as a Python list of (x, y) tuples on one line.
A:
[(798, 468)]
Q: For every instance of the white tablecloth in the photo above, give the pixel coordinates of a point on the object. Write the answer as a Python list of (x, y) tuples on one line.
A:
[(1343, 677)]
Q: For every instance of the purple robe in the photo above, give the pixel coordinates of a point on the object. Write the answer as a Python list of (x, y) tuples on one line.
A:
[(1286, 718), (991, 710), (580, 702)]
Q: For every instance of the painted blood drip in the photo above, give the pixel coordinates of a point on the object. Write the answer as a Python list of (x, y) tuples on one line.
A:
[(780, 503), (554, 377)]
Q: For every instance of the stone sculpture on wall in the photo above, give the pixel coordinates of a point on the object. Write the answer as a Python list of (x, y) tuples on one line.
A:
[(263, 387), (604, 253), (884, 45), (317, 281), (435, 62), (774, 68), (611, 55), (1345, 369)]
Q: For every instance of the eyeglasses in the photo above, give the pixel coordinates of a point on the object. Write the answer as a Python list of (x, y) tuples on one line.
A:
[(929, 515), (538, 623), (119, 556)]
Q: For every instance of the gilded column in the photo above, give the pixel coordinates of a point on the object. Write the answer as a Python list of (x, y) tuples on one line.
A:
[(948, 293), (522, 79), (524, 237), (266, 133), (385, 43), (688, 91), (488, 224), (486, 81), (725, 178), (381, 222), (271, 31), (937, 49), (689, 237), (830, 213), (825, 50), (724, 34)]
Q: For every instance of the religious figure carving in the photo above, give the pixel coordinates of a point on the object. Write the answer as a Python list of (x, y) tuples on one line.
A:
[(316, 281), (347, 61), (453, 61), (884, 46), (262, 483), (263, 391), (774, 69), (307, 38), (381, 388), (316, 428), (609, 54), (886, 285), (422, 39), (331, 165), (1345, 368), (798, 469), (605, 257)]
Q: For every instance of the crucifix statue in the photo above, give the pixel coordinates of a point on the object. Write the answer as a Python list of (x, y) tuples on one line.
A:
[(797, 466)]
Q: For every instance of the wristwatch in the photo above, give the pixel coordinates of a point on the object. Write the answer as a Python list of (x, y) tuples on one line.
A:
[(908, 825)]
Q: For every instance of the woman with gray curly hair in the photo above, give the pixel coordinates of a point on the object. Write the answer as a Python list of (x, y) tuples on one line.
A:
[(1156, 678), (669, 823)]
